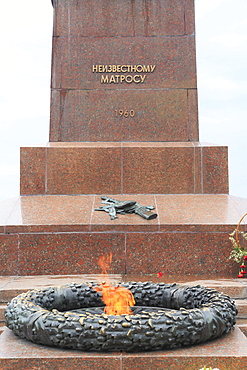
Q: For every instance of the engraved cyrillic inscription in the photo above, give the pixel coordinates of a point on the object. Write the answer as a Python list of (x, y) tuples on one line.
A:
[(116, 79), (118, 73), (125, 68)]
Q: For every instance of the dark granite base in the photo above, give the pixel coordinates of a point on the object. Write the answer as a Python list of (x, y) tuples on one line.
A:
[(226, 353)]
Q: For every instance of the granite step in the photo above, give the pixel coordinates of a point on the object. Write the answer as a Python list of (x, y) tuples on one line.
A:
[(242, 324), (10, 286), (167, 162), (242, 308), (79, 234)]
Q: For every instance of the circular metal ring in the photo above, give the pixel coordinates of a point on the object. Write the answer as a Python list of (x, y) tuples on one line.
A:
[(183, 316)]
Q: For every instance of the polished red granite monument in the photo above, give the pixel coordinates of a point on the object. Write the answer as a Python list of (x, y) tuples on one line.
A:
[(124, 123)]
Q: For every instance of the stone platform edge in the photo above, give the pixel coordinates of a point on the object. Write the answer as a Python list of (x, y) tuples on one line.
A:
[(60, 234), (76, 213)]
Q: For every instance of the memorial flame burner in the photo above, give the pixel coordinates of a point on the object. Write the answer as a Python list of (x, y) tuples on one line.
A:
[(165, 316)]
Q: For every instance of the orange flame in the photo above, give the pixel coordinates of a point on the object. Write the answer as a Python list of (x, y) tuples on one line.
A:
[(117, 299)]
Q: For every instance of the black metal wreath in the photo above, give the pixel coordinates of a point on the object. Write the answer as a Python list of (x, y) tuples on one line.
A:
[(71, 316)]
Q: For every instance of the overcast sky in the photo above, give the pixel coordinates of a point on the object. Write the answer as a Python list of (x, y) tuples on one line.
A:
[(26, 33)]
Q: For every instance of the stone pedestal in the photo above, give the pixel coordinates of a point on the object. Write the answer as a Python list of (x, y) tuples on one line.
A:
[(122, 168), (123, 123)]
